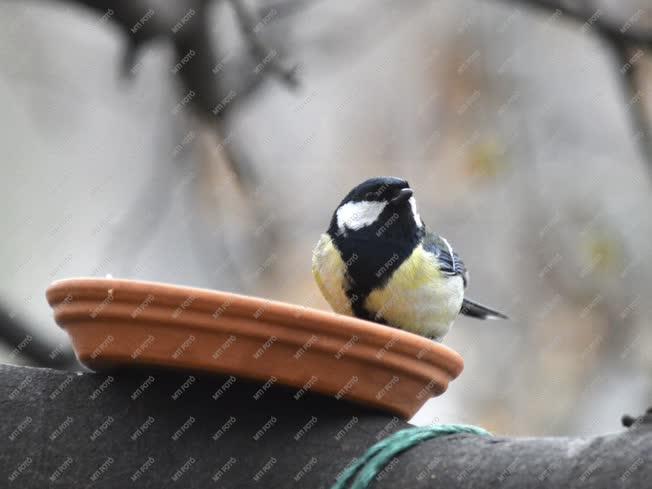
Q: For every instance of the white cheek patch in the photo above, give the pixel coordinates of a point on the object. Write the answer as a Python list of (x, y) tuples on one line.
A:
[(415, 212), (356, 215)]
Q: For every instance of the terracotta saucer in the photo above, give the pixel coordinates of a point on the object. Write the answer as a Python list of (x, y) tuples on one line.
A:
[(117, 323)]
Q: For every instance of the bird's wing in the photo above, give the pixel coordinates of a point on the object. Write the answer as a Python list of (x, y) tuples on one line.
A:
[(449, 262)]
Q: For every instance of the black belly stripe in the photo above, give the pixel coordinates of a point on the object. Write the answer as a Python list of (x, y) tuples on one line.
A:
[(370, 264)]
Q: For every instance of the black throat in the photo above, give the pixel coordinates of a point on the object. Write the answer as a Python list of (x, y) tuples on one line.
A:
[(374, 252)]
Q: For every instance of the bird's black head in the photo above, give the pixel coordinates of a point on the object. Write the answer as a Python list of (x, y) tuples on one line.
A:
[(380, 208), (378, 189)]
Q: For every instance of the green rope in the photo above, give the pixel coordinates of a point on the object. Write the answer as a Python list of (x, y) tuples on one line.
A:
[(372, 462)]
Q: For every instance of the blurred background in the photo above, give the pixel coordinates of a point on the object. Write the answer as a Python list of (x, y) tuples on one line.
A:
[(207, 144)]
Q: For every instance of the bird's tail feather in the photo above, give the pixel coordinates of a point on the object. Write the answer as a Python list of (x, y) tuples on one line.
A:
[(475, 310)]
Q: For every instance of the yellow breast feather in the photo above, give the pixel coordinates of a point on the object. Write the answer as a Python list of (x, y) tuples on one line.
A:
[(418, 297), (329, 271)]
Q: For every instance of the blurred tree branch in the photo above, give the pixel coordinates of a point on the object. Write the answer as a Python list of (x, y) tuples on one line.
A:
[(185, 25), (248, 27), (627, 44), (585, 12), (210, 88), (211, 85), (630, 81), (624, 40)]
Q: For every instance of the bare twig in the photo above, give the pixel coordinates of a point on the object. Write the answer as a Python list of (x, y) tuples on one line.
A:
[(203, 73), (626, 43)]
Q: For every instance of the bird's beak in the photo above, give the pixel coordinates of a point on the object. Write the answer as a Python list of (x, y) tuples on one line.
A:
[(402, 196)]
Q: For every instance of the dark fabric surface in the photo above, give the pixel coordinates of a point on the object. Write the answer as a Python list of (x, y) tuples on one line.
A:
[(174, 429)]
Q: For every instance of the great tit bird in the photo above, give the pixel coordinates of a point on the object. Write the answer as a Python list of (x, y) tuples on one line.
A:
[(377, 262)]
